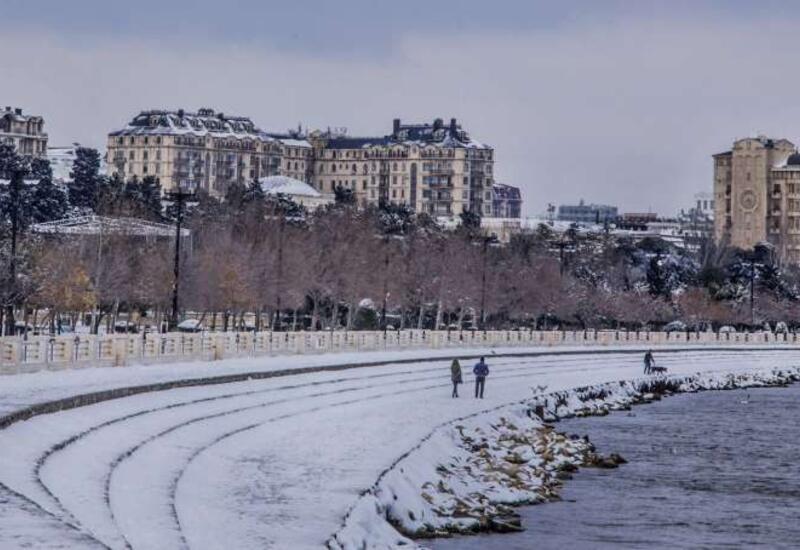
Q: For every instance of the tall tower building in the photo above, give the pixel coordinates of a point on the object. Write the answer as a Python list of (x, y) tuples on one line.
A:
[(745, 192)]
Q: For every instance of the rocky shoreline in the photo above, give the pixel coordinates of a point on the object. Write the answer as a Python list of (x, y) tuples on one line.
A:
[(468, 476)]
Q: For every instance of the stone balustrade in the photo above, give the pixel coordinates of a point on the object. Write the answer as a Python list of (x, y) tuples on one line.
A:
[(34, 353)]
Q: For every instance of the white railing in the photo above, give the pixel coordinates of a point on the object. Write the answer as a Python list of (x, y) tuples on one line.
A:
[(35, 353)]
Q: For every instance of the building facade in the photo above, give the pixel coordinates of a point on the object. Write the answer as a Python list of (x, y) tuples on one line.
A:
[(587, 213), (25, 132), (757, 196), (436, 169), (506, 201), (207, 150)]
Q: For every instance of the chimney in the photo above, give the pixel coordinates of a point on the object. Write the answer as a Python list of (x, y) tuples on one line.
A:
[(396, 127), (453, 125), (18, 111)]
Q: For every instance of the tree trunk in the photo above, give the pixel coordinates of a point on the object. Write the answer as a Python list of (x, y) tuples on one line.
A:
[(421, 318), (314, 313)]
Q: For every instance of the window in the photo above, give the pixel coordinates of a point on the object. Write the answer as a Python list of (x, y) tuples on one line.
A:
[(132, 155), (364, 184)]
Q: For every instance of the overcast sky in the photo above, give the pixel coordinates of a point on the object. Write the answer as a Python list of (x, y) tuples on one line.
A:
[(618, 102)]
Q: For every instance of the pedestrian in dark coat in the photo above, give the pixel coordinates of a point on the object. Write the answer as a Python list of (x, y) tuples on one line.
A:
[(481, 371), (648, 362), (455, 376)]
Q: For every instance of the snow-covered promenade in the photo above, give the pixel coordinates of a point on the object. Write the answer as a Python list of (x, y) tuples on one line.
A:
[(274, 462)]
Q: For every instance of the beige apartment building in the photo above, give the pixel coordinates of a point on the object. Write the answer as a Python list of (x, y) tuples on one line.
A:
[(757, 196), (25, 132), (206, 149), (434, 168)]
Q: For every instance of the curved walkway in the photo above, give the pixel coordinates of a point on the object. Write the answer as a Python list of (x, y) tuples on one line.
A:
[(271, 462)]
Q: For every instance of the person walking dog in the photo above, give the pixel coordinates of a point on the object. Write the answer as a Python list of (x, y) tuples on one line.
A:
[(649, 362), (481, 371), (455, 376)]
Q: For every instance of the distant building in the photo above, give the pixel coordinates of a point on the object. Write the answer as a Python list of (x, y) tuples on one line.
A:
[(299, 191), (61, 160), (757, 195), (434, 168), (297, 156), (587, 213), (697, 222), (25, 132), (506, 201), (208, 150), (437, 168)]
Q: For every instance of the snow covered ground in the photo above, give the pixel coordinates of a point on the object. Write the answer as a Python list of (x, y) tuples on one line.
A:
[(264, 463)]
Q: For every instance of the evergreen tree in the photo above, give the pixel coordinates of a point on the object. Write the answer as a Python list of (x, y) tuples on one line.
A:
[(47, 201), (283, 205), (395, 219), (143, 198), (470, 224), (235, 197), (84, 187), (344, 196), (254, 194), (657, 277)]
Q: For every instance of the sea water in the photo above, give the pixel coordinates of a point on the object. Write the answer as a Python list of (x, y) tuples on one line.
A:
[(716, 469)]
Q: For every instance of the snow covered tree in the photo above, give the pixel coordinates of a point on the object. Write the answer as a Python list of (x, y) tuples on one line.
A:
[(254, 194), (470, 223), (344, 196), (48, 201), (144, 197), (84, 187)]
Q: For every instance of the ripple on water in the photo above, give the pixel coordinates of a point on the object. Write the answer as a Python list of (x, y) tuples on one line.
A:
[(712, 470)]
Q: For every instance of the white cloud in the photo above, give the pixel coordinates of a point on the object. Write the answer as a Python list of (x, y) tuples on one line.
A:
[(628, 112)]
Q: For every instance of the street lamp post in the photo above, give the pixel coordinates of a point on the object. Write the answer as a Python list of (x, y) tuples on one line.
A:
[(179, 195)]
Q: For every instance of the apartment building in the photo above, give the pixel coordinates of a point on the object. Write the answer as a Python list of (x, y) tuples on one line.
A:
[(25, 132), (296, 156), (757, 195), (206, 149), (435, 168), (506, 201), (587, 213)]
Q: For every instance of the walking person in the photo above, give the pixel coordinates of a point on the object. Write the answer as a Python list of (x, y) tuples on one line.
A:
[(455, 376), (481, 371), (649, 361)]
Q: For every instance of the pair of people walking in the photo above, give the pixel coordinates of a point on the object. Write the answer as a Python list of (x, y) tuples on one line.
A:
[(480, 370)]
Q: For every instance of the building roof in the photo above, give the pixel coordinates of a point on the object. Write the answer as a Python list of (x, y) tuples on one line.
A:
[(506, 192), (436, 134), (284, 185), (293, 139), (202, 123), (103, 225)]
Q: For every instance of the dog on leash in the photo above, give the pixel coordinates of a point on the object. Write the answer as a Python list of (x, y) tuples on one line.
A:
[(658, 370)]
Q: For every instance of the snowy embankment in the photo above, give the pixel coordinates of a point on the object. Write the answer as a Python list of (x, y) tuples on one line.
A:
[(264, 453), (467, 475)]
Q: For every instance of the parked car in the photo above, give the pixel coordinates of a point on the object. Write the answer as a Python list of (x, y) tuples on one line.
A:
[(675, 326), (190, 325), (727, 329)]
